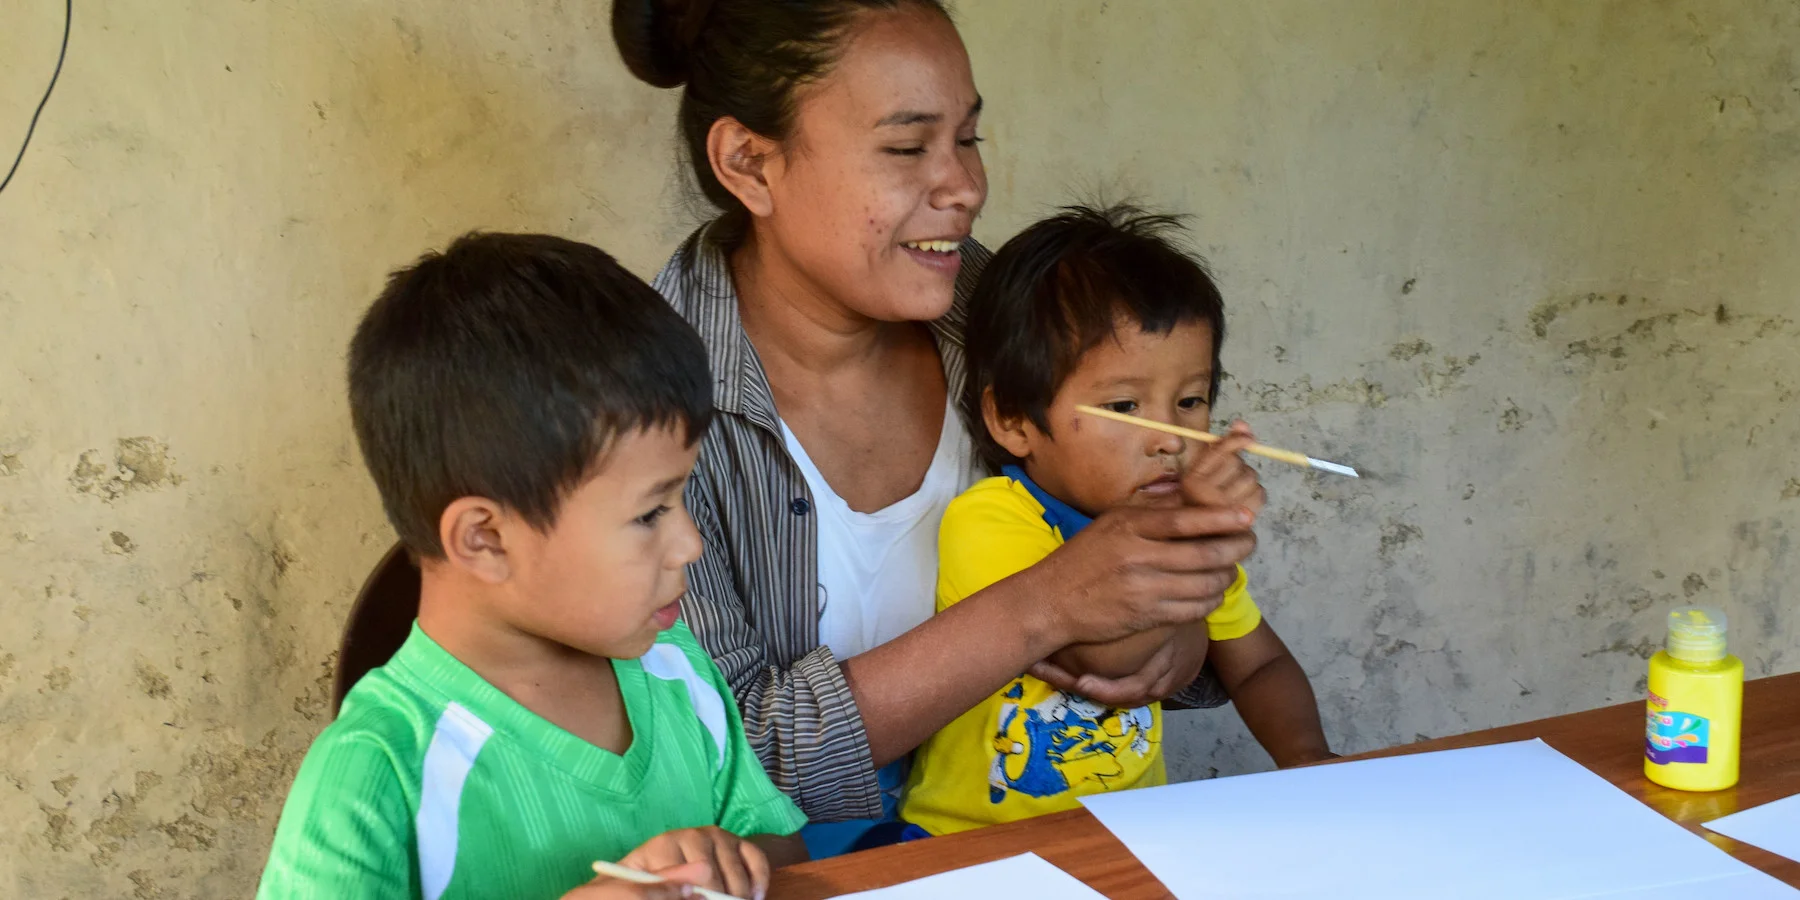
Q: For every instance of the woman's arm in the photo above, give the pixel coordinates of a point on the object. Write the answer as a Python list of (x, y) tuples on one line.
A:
[(822, 727), (1131, 571)]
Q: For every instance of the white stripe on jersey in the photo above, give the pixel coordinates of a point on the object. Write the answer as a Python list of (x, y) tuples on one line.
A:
[(667, 662), (454, 745)]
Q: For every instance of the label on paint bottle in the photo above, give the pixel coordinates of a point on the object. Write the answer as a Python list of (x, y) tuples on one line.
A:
[(1672, 736)]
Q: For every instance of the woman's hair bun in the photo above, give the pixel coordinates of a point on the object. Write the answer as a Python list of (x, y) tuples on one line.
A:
[(656, 38)]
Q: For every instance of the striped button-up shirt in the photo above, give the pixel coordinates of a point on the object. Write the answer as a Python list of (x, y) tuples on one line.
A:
[(753, 597)]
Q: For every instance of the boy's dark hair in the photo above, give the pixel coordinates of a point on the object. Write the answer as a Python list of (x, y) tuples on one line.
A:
[(504, 368), (1055, 290)]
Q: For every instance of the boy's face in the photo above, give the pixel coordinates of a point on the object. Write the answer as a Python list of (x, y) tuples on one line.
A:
[(1095, 464), (607, 577)]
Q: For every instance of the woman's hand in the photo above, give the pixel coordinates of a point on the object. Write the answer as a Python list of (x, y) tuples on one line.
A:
[(1134, 569), (734, 866), (1216, 478), (677, 883), (1138, 569)]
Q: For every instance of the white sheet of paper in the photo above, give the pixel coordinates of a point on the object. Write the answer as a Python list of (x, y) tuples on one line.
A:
[(1775, 827), (1502, 822), (1752, 885), (1025, 875)]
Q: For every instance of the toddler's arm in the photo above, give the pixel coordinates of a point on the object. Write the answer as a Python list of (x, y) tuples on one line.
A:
[(1116, 659), (1272, 694)]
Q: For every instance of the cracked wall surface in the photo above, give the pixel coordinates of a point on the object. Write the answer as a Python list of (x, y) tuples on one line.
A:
[(1530, 266)]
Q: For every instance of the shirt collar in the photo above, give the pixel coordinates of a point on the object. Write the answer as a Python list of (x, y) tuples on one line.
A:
[(697, 283), (1061, 516)]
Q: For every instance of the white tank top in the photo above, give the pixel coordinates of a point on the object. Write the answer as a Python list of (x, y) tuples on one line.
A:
[(878, 570)]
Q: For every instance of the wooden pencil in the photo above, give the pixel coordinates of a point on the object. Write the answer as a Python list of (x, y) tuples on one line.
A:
[(626, 873)]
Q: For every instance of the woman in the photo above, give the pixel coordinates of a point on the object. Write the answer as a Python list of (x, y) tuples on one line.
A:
[(839, 138)]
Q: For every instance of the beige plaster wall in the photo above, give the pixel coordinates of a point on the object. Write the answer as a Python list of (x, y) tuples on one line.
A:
[(1531, 264)]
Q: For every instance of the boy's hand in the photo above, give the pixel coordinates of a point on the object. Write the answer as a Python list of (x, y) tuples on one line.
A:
[(678, 882), (1218, 477), (737, 867)]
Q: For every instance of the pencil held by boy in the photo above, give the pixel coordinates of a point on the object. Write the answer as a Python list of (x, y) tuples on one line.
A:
[(1093, 308), (529, 412)]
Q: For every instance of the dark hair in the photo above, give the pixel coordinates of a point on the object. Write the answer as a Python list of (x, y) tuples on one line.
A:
[(737, 58), (504, 368), (1057, 289)]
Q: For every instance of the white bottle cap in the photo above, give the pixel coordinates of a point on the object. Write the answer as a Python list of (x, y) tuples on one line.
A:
[(1697, 634)]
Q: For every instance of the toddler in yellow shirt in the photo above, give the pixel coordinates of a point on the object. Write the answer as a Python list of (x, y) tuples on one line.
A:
[(1096, 308)]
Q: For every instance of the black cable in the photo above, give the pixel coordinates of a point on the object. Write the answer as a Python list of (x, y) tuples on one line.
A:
[(68, 18)]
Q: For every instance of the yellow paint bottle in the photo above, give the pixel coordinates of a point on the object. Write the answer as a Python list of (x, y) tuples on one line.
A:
[(1696, 705)]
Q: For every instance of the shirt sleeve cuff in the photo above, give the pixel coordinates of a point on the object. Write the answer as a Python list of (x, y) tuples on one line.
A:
[(810, 737), (1204, 693)]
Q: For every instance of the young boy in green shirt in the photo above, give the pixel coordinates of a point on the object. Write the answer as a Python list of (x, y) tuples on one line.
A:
[(529, 412)]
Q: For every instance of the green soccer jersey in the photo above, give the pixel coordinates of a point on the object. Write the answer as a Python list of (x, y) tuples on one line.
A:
[(434, 784)]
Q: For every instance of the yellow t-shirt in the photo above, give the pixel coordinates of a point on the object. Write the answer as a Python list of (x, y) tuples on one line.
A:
[(1030, 749)]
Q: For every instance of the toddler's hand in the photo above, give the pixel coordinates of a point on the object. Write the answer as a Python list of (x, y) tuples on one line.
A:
[(738, 867), (1218, 477)]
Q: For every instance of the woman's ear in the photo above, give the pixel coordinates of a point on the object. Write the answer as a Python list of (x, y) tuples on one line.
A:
[(739, 159), (1013, 433), (472, 531)]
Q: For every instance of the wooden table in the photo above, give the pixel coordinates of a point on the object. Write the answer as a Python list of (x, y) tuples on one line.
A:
[(1608, 741)]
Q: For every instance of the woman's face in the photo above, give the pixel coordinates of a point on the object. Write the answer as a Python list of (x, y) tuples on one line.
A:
[(882, 179)]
